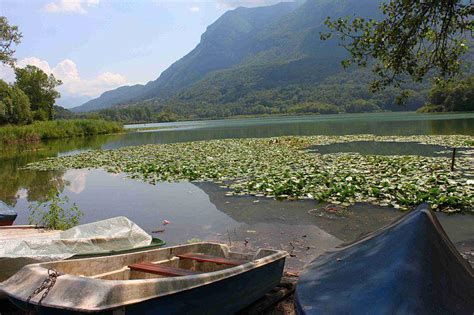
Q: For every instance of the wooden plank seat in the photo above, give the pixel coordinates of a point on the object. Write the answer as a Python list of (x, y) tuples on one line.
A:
[(213, 259), (162, 270)]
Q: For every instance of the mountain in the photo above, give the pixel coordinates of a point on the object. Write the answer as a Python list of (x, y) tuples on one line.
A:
[(120, 95), (69, 101), (268, 59), (224, 44)]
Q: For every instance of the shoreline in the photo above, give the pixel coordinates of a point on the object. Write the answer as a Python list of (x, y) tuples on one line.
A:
[(57, 129)]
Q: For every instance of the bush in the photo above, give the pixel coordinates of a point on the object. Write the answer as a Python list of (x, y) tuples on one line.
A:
[(452, 96), (54, 214)]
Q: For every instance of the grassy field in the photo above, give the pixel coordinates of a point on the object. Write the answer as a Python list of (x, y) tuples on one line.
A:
[(43, 130)]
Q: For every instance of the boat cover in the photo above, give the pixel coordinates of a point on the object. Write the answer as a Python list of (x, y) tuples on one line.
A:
[(408, 267), (103, 236), (6, 210)]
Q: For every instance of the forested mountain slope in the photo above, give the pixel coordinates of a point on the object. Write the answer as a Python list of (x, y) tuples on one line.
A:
[(262, 60)]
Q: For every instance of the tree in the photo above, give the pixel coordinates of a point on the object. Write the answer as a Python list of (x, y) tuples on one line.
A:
[(9, 37), (40, 89), (14, 105), (21, 107), (416, 37), (451, 96)]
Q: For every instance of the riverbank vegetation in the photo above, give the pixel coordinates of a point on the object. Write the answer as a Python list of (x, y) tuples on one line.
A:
[(283, 168), (44, 130), (453, 96), (55, 212)]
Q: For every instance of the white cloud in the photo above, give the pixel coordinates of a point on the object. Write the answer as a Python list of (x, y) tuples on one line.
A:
[(72, 6), (194, 9), (76, 180), (66, 70)]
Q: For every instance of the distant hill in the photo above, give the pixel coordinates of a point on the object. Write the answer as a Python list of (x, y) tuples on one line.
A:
[(224, 44), (69, 101), (262, 60)]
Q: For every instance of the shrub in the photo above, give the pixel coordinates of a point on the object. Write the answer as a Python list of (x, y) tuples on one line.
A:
[(54, 213)]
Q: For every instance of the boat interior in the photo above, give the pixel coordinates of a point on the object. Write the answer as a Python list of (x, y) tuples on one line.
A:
[(176, 261)]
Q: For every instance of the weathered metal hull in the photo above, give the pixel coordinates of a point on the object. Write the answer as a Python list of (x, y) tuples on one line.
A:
[(215, 284), (9, 266), (408, 267), (223, 297)]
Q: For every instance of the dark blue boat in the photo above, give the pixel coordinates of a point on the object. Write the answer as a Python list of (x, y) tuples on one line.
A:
[(7, 215), (408, 267)]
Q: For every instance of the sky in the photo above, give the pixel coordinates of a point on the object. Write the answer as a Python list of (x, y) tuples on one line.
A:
[(98, 45)]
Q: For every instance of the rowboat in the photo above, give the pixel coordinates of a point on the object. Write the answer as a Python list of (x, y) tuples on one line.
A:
[(199, 278), (407, 267), (7, 214), (26, 244)]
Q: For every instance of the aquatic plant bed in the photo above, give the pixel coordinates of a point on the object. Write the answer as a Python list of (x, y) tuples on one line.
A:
[(283, 168)]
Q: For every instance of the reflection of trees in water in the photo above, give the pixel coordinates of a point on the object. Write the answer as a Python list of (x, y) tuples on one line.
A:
[(37, 184), (451, 127)]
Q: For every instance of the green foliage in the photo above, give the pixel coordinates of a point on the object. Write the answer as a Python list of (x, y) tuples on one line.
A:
[(39, 87), (9, 36), (165, 116), (62, 113), (412, 39), (54, 212), (315, 107), (14, 105), (361, 106), (42, 130), (452, 96)]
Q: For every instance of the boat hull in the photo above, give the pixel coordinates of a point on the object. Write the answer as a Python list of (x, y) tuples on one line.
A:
[(10, 266), (7, 219), (226, 296), (408, 267)]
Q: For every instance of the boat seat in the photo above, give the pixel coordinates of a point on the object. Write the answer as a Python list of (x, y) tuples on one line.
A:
[(162, 270), (213, 259)]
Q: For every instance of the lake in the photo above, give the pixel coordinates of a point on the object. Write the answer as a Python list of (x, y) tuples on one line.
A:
[(202, 210)]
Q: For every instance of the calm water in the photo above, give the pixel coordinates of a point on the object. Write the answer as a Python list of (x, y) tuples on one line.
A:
[(201, 210)]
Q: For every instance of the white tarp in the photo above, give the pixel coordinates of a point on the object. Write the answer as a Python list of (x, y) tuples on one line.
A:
[(112, 234)]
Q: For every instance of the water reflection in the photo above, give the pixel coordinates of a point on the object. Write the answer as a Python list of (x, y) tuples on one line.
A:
[(201, 210), (16, 182)]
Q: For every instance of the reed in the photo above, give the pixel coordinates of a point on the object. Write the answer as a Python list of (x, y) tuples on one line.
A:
[(44, 130)]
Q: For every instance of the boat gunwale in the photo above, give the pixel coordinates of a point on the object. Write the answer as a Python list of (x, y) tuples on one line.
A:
[(220, 275)]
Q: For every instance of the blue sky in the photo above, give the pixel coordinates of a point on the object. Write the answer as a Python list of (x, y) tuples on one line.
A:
[(98, 45)]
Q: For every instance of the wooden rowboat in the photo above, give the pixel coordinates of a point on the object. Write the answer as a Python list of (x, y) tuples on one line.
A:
[(408, 267), (7, 214), (200, 278)]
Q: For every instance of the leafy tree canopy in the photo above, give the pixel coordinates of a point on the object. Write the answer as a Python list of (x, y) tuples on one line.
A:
[(14, 105), (40, 89), (453, 96), (415, 37), (9, 37)]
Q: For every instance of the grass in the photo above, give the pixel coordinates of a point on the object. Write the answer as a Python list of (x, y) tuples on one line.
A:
[(44, 130)]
